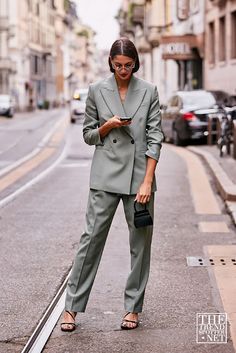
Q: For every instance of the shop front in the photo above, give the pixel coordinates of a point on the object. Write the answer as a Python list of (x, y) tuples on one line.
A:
[(187, 52)]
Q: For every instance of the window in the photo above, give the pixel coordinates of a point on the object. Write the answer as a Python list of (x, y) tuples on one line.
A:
[(29, 5), (35, 65), (37, 9), (222, 49), (182, 9), (211, 41), (233, 35), (51, 19)]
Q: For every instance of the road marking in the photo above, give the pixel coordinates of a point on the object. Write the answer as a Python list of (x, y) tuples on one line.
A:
[(73, 165), (31, 164), (41, 144), (213, 227), (4, 163), (225, 277), (204, 199), (35, 180), (21, 171)]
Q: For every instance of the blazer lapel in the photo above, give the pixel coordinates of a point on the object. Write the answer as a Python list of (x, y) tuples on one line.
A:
[(134, 97), (111, 97)]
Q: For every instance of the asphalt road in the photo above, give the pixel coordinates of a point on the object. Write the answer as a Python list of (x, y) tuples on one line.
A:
[(39, 235)]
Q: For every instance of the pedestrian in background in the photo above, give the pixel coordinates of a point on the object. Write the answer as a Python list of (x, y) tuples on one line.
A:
[(123, 168)]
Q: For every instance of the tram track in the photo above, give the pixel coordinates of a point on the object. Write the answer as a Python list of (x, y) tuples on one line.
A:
[(43, 330), (47, 322)]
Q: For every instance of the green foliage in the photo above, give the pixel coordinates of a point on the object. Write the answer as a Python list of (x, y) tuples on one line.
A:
[(130, 13), (83, 33), (66, 5)]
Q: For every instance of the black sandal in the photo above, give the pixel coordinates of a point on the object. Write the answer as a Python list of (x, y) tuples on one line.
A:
[(123, 325), (72, 324)]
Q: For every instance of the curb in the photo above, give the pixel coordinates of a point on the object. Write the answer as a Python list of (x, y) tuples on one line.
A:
[(225, 186)]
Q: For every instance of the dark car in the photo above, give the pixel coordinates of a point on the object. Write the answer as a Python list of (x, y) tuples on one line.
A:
[(222, 98), (186, 116)]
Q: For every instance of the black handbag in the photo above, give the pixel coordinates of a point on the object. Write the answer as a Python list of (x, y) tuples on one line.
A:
[(142, 218)]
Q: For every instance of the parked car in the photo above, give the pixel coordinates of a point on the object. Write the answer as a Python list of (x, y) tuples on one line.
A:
[(77, 104), (186, 115), (222, 98), (6, 105)]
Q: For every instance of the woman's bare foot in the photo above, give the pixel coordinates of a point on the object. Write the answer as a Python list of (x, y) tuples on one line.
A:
[(130, 321), (68, 321)]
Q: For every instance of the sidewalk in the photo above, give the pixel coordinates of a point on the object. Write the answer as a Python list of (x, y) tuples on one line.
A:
[(224, 172)]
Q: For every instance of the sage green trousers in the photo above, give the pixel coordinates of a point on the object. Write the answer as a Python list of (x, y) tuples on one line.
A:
[(100, 212)]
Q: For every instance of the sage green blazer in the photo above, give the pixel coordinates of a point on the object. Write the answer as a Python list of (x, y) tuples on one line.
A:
[(119, 160)]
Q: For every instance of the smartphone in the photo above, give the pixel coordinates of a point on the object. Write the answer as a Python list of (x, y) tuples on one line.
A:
[(125, 118)]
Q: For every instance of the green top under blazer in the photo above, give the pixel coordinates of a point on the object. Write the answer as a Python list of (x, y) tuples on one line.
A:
[(119, 161)]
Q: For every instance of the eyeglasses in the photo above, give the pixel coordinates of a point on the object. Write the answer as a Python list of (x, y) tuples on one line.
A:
[(119, 67)]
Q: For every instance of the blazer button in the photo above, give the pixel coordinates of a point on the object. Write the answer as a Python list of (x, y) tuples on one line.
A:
[(132, 141), (115, 140)]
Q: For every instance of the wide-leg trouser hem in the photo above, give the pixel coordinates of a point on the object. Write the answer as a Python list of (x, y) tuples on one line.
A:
[(75, 309), (134, 311)]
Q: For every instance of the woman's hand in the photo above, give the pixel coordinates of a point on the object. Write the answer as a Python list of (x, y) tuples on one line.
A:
[(144, 193), (110, 124), (115, 122)]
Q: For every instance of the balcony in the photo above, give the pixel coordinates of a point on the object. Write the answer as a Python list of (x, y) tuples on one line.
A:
[(7, 64), (143, 45), (4, 23), (136, 14), (127, 27), (219, 3), (154, 36)]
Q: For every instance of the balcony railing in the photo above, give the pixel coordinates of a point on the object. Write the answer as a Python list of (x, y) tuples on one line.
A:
[(7, 64), (218, 2), (154, 36)]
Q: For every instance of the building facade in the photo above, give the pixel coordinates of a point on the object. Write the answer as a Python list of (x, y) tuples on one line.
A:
[(170, 35), (44, 51), (220, 46)]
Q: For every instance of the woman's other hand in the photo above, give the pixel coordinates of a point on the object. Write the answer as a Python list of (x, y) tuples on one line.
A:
[(144, 193)]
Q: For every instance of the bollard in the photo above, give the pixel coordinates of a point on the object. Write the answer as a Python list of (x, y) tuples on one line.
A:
[(234, 138), (209, 128), (213, 136), (218, 129)]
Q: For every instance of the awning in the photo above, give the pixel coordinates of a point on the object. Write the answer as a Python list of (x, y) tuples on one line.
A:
[(186, 47)]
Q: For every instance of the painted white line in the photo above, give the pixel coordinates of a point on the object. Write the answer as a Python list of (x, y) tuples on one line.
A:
[(35, 180), (73, 165), (41, 144)]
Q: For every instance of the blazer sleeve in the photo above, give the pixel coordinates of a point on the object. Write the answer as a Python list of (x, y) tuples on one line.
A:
[(91, 121), (155, 134)]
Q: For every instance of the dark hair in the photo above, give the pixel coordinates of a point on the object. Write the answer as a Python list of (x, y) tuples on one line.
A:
[(124, 46)]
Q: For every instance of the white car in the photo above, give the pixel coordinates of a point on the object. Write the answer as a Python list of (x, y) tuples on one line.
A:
[(77, 104), (6, 105)]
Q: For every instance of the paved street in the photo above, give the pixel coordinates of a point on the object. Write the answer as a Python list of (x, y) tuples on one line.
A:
[(40, 231)]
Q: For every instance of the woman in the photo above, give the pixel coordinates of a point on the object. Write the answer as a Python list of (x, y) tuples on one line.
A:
[(123, 167)]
